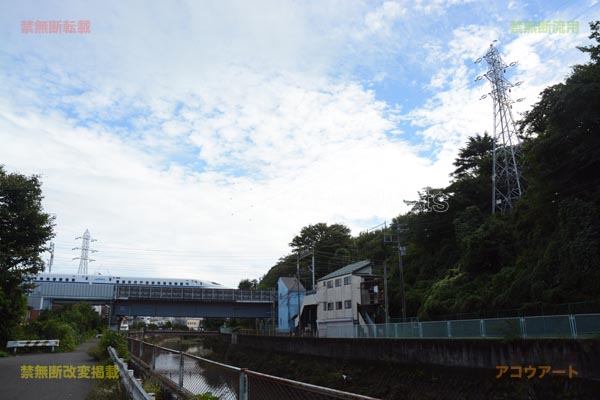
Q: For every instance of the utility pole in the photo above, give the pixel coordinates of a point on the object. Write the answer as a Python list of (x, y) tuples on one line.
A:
[(300, 254), (506, 178), (85, 252), (401, 252), (51, 261), (391, 238), (385, 289), (312, 268), (298, 289)]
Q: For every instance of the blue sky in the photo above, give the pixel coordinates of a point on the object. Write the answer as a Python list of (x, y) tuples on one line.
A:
[(197, 138)]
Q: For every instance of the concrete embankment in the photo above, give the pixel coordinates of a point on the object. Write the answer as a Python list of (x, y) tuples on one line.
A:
[(583, 355), (420, 369)]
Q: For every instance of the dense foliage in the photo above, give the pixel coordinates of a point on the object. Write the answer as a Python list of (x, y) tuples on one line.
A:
[(114, 339), (461, 258), (71, 324), (24, 234)]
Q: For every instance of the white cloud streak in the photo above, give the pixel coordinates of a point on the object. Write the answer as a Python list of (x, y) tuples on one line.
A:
[(198, 141)]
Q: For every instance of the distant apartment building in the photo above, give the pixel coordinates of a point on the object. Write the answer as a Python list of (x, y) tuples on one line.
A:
[(349, 296), (193, 324), (290, 295)]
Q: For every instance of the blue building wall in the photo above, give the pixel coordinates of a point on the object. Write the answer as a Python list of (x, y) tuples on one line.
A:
[(288, 306)]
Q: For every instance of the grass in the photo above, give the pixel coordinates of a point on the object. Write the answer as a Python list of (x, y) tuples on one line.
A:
[(107, 389)]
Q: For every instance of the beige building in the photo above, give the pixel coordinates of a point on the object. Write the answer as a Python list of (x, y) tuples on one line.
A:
[(193, 324), (349, 296)]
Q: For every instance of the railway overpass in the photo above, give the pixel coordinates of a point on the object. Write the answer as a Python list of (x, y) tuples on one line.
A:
[(136, 300)]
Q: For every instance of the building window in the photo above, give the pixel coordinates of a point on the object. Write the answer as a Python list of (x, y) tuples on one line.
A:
[(324, 306), (347, 280), (329, 306), (329, 284), (338, 305), (347, 304), (338, 282)]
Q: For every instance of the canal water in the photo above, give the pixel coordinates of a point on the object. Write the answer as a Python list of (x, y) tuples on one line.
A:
[(199, 377)]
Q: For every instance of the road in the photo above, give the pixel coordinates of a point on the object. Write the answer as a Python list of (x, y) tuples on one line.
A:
[(14, 387)]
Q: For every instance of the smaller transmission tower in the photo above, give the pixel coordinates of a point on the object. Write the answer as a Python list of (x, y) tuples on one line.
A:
[(51, 260), (506, 179), (85, 252)]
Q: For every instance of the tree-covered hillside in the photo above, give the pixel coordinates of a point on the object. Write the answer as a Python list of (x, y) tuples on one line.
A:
[(468, 260)]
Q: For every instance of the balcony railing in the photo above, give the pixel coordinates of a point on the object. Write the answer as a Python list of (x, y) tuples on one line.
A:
[(193, 294)]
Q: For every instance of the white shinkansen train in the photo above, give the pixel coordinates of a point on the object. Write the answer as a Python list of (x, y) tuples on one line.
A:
[(126, 280)]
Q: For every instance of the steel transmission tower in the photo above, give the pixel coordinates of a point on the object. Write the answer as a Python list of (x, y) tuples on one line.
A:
[(85, 252), (506, 179)]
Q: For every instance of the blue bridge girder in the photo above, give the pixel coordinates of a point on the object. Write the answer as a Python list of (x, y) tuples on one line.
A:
[(136, 300)]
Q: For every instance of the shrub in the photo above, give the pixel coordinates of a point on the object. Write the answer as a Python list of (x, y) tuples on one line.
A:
[(114, 339)]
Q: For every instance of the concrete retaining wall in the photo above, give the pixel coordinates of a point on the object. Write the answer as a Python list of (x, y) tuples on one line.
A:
[(583, 355)]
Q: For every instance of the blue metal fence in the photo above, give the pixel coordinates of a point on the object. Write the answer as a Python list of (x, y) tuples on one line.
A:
[(550, 326)]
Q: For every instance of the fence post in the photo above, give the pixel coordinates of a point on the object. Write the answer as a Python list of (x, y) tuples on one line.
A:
[(153, 358), (482, 328), (420, 329), (449, 328), (243, 384), (180, 369), (573, 325), (523, 327)]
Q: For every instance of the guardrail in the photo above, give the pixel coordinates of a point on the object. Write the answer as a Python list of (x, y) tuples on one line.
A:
[(193, 294), (32, 343), (548, 326), (197, 375), (133, 387)]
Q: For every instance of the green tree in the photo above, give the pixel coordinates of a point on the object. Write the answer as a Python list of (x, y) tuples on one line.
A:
[(24, 233), (473, 159), (331, 243), (333, 246), (247, 284)]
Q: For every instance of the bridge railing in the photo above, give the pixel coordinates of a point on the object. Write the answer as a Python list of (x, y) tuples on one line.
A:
[(190, 374), (548, 326), (193, 294)]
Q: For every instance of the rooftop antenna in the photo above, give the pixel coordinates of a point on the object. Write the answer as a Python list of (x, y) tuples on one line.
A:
[(85, 251)]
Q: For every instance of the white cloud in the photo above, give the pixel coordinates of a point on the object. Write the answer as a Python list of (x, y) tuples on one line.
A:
[(198, 141), (457, 112)]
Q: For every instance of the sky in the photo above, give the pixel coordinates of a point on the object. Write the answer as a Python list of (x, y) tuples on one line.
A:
[(194, 139)]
